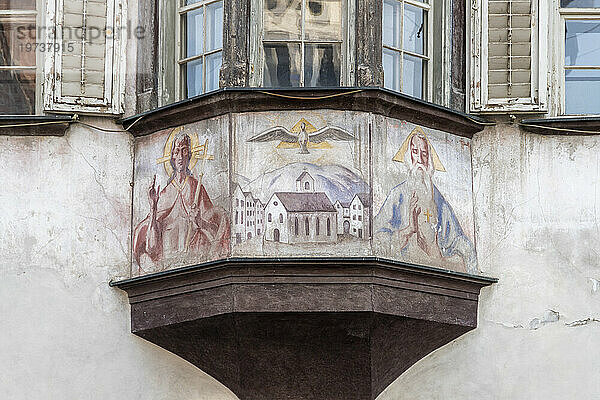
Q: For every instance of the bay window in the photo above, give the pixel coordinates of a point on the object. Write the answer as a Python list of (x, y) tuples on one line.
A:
[(301, 43), (201, 53), (18, 66), (581, 71), (406, 48)]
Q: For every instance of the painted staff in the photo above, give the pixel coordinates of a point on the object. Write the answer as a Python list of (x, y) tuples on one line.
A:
[(195, 205)]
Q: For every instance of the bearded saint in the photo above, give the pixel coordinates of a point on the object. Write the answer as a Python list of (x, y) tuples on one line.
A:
[(182, 217), (416, 219)]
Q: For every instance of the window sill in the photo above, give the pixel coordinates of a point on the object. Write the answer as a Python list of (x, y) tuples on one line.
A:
[(565, 125), (34, 125), (369, 99)]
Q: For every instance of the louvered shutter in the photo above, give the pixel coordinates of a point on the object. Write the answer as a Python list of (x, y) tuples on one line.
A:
[(85, 73), (508, 59)]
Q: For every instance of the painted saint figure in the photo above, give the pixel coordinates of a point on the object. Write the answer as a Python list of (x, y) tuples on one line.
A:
[(416, 218), (182, 217)]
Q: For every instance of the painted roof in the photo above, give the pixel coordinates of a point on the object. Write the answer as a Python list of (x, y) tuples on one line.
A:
[(345, 205), (305, 202), (364, 198), (302, 176)]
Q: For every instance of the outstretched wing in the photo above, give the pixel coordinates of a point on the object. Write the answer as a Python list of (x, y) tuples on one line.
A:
[(276, 133), (331, 133)]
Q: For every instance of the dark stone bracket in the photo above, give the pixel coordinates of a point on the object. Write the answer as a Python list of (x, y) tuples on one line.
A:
[(304, 328)]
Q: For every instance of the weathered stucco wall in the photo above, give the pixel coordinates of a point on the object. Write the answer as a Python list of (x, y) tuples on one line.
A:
[(537, 208), (65, 223), (65, 208)]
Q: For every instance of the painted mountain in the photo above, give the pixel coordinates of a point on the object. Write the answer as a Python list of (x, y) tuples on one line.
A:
[(339, 183)]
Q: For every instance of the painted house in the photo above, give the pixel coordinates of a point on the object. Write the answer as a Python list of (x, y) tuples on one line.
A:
[(300, 217), (343, 217), (360, 211), (247, 216)]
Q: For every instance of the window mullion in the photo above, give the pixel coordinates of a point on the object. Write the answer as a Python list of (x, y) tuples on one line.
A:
[(401, 27), (204, 9), (302, 43)]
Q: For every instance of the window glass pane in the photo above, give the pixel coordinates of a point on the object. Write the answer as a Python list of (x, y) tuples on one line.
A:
[(582, 42), (323, 19), (17, 40), (214, 26), (195, 32), (18, 92), (414, 29), (392, 63), (194, 78), (392, 14), (213, 67), (282, 19), (581, 91), (412, 76), (17, 4), (580, 3), (322, 65), (282, 65)]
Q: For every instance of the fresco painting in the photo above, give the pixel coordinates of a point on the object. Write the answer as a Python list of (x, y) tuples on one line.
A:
[(415, 222), (300, 187), (183, 223), (303, 184)]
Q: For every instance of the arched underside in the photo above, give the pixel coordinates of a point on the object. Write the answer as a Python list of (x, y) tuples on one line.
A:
[(304, 328)]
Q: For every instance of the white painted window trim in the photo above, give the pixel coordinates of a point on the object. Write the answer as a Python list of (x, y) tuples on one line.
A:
[(114, 69), (180, 41), (257, 56), (429, 52), (477, 50), (565, 14)]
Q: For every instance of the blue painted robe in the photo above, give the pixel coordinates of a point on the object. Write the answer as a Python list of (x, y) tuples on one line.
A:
[(394, 216)]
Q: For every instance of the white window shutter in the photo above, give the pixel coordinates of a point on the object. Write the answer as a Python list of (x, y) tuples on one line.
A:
[(508, 59), (85, 73)]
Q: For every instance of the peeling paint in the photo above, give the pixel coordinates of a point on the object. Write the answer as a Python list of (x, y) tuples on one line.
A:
[(581, 322)]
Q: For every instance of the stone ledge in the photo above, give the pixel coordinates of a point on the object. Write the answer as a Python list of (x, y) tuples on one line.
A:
[(570, 126), (34, 125)]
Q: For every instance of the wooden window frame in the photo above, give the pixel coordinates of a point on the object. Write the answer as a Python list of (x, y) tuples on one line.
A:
[(180, 39), (477, 50), (39, 56), (429, 51), (347, 48), (570, 14)]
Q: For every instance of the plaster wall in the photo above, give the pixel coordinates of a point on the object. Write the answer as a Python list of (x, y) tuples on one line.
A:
[(536, 212), (65, 225), (65, 220)]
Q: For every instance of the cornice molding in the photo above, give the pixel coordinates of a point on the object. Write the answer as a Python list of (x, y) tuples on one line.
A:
[(366, 99)]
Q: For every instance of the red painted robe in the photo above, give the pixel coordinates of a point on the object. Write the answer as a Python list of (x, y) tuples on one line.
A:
[(179, 227)]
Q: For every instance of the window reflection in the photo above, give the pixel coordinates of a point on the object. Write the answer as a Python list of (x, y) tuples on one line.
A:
[(17, 57), (302, 43), (17, 4), (582, 66), (582, 42), (322, 65), (580, 3), (282, 65), (405, 55), (202, 55), (581, 92)]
